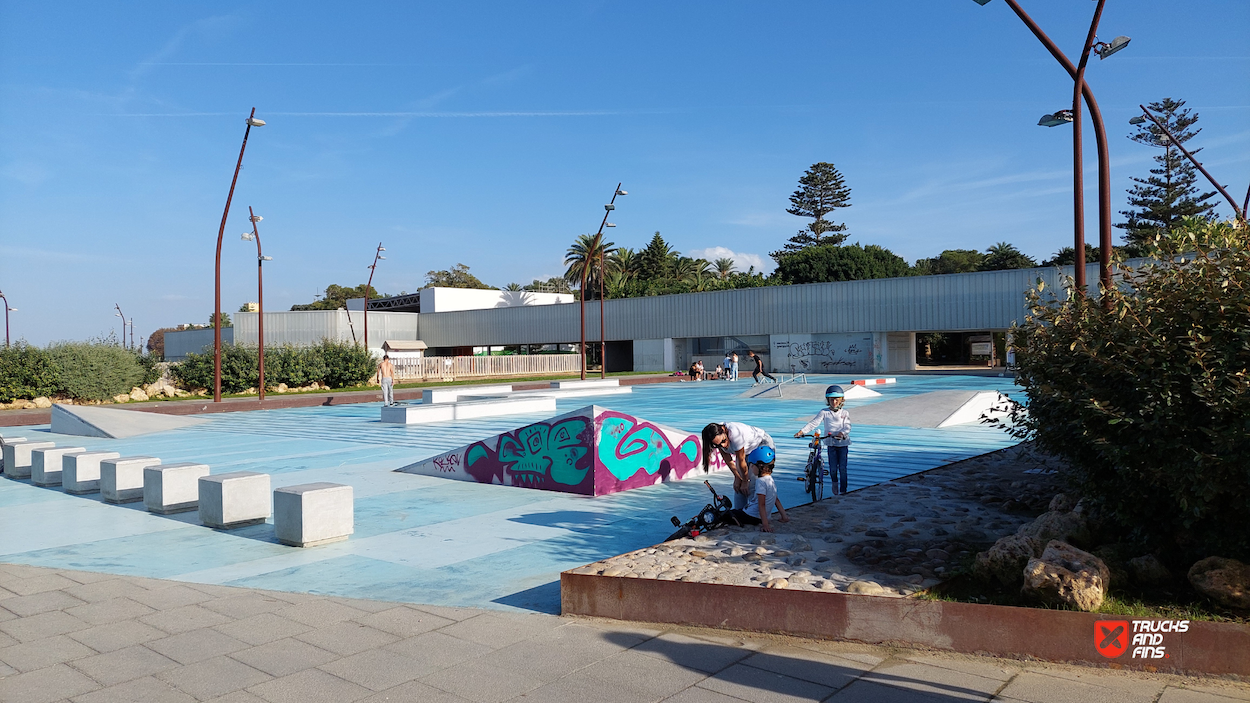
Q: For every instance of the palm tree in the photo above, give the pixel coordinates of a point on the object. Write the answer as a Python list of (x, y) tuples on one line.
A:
[(585, 258), (514, 287), (1004, 255), (617, 284), (625, 261), (702, 279), (724, 267)]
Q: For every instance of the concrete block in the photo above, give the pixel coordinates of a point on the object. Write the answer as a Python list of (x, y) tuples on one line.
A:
[(80, 471), (172, 488), (7, 439), (417, 414), (313, 513), (451, 394), (45, 465), (467, 409), (234, 500), (17, 457), (588, 383), (121, 479)]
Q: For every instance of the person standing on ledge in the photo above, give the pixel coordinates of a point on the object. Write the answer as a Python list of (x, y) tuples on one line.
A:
[(386, 376)]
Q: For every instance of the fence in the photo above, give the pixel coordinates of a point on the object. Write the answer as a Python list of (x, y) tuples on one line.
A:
[(449, 368)]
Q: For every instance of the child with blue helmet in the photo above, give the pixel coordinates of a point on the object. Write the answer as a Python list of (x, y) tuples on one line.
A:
[(837, 431), (758, 511)]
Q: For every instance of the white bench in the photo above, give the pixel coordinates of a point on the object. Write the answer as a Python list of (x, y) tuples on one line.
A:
[(451, 394), (587, 383), (7, 439), (80, 471), (233, 500), (313, 513), (17, 457), (45, 465), (466, 409), (172, 488), (121, 479)]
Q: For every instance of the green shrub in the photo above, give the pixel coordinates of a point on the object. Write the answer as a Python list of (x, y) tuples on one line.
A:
[(294, 366), (1148, 398), (150, 363), (26, 373), (346, 364), (94, 370), (239, 370)]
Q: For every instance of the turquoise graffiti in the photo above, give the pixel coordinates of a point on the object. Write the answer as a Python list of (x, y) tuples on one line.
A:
[(547, 456), (635, 453)]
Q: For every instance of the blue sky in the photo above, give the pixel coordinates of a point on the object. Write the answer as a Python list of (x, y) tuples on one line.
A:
[(490, 134)]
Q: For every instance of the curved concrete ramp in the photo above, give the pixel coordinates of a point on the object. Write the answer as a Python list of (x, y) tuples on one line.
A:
[(804, 391), (114, 423), (590, 451), (932, 409)]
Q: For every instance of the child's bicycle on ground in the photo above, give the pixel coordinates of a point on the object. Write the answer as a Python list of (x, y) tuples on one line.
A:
[(716, 514), (814, 473)]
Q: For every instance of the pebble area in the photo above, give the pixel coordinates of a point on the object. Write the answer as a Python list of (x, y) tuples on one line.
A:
[(891, 539)]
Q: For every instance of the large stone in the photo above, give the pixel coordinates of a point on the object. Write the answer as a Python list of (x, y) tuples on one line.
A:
[(121, 479), (45, 465), (1068, 576), (172, 488), (234, 500), (1149, 570), (42, 402), (1005, 561), (313, 513), (17, 457), (1062, 503), (138, 394), (1054, 525), (1225, 581), (80, 471)]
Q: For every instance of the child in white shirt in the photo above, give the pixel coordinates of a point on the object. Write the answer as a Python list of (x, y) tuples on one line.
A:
[(757, 512), (837, 429)]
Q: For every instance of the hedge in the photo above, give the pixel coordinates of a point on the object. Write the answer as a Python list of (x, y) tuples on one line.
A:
[(96, 370), (336, 364)]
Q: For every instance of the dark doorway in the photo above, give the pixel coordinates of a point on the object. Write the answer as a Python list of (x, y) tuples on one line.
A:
[(620, 356)]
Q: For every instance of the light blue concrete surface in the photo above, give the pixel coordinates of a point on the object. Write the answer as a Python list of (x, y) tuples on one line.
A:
[(428, 540)]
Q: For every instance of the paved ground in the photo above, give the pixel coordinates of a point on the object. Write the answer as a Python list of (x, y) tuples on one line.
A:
[(88, 637)]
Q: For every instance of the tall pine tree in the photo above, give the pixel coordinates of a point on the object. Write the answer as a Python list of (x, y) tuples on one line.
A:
[(1160, 201), (821, 190), (656, 260)]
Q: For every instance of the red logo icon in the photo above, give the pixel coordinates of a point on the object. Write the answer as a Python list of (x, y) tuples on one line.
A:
[(1111, 637)]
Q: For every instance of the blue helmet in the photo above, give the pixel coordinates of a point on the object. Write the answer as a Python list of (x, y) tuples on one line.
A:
[(834, 392), (762, 455)]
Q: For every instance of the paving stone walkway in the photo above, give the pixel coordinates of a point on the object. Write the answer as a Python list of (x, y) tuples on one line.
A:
[(91, 637)]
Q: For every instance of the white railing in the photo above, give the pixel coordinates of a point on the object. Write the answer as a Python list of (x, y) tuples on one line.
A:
[(450, 368)]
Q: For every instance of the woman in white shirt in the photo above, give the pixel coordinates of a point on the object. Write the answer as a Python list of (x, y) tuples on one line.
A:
[(734, 441), (837, 429)]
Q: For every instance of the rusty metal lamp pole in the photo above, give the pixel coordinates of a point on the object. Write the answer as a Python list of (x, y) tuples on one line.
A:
[(123, 317), (260, 294), (251, 122), (377, 256), (1238, 213), (1081, 87), (603, 344), (7, 310)]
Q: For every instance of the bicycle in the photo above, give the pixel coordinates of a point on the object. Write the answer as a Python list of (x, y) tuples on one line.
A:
[(814, 473), (714, 514)]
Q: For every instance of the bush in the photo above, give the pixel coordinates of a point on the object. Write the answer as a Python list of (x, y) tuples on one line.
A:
[(26, 372), (94, 370), (1148, 399), (294, 366), (239, 370), (346, 364), (828, 262)]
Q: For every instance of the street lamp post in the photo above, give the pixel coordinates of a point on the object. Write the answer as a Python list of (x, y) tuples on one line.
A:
[(260, 294), (1238, 213), (251, 122), (377, 256), (123, 317), (1081, 88), (594, 247), (7, 310)]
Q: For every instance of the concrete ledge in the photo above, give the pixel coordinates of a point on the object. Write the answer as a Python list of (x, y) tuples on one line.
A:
[(234, 500), (172, 488), (121, 479), (588, 383), (17, 457), (450, 395), (80, 471), (7, 439), (313, 513), (1051, 635), (573, 392), (467, 409), (45, 465)]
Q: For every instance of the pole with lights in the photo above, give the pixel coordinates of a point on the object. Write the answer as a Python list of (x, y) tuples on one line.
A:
[(373, 268), (595, 246), (7, 310), (260, 294)]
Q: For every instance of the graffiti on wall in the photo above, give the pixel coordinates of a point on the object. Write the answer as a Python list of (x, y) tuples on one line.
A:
[(827, 355), (591, 451)]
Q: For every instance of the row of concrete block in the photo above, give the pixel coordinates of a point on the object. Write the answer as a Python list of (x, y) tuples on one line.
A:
[(305, 515)]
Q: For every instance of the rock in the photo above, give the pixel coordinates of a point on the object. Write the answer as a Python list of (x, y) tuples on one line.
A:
[(281, 388), (1062, 503), (1225, 581), (181, 393), (615, 571), (698, 553), (1116, 557), (763, 540), (42, 402), (1054, 525), (777, 583), (1149, 570), (751, 556), (1067, 575), (138, 395), (121, 398), (1006, 560), (876, 533), (865, 588), (938, 554)]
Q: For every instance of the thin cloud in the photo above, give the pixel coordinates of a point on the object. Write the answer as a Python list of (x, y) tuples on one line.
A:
[(742, 260)]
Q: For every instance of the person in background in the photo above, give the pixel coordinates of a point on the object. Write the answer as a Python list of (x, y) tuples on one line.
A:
[(733, 363), (728, 364), (734, 441), (720, 372), (693, 371), (386, 376), (758, 510), (759, 368), (837, 429), (702, 371)]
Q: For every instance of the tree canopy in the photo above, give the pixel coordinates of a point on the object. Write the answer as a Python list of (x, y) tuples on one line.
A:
[(950, 261), (827, 262), (822, 189), (457, 276), (1003, 256), (336, 297)]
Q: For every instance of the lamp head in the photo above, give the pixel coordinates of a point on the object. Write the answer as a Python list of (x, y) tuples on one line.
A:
[(621, 192), (609, 224), (1105, 49), (982, 3), (246, 236), (1058, 118), (255, 122), (266, 258), (609, 207), (1137, 120), (381, 248), (382, 258), (255, 218)]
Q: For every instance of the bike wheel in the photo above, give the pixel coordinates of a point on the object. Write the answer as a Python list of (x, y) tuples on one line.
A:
[(818, 488)]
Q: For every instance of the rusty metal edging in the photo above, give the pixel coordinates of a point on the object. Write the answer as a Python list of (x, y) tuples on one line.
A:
[(1051, 635)]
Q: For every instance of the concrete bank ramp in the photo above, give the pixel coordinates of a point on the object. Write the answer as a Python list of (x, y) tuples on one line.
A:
[(804, 391), (114, 423), (932, 409)]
